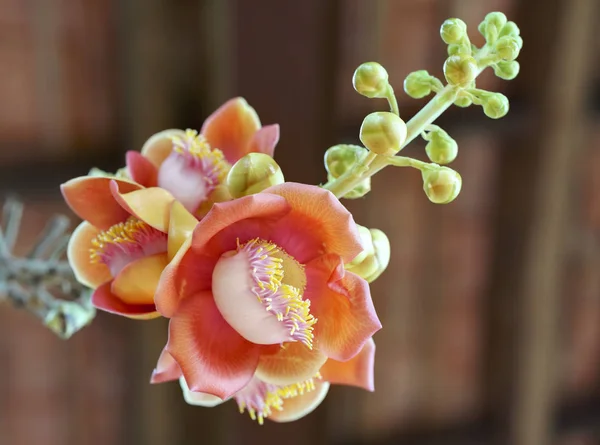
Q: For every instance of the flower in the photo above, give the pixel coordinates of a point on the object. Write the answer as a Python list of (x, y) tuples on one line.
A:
[(121, 247), (260, 289), (280, 403), (192, 166)]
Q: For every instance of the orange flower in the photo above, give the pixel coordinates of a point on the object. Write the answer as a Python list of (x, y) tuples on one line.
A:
[(280, 403), (192, 166), (121, 247), (260, 272)]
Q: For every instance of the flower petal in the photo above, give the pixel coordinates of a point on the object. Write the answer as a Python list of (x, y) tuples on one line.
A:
[(160, 145), (198, 398), (318, 215), (78, 252), (140, 169), (104, 299), (293, 363), (137, 282), (181, 225), (166, 369), (342, 303), (91, 199), (214, 359), (151, 205), (265, 140), (297, 407), (358, 371), (231, 128)]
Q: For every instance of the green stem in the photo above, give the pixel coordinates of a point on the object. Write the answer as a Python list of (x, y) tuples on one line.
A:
[(391, 98)]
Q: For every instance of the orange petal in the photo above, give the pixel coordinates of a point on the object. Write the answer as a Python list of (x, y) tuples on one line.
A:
[(181, 225), (214, 358), (358, 371), (104, 299), (88, 273), (140, 169), (297, 407), (166, 369), (231, 128), (91, 199), (265, 140), (151, 205), (342, 303), (159, 146), (325, 216), (293, 363), (137, 282)]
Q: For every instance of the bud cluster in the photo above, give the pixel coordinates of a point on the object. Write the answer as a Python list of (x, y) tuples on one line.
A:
[(341, 158)]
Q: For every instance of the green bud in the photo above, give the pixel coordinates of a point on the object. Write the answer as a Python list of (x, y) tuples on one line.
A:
[(441, 185), (341, 158), (441, 148), (359, 190), (418, 84), (496, 19), (69, 317), (507, 48), (495, 105), (252, 174), (510, 29), (507, 70), (383, 133), (463, 101), (460, 49), (460, 71), (371, 80), (492, 25), (375, 257), (453, 31)]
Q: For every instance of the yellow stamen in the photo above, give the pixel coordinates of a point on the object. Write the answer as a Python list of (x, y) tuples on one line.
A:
[(121, 233), (196, 145)]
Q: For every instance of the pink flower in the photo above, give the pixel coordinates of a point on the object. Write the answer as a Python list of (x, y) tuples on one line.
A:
[(262, 272), (192, 166)]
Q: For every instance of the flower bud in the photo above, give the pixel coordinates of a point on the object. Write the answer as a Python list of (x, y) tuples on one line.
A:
[(371, 80), (252, 174), (341, 158), (441, 185), (492, 25), (463, 102), (496, 19), (495, 105), (460, 71), (375, 257), (418, 84), (510, 29), (459, 50), (383, 133), (441, 148), (507, 48), (453, 31), (507, 70)]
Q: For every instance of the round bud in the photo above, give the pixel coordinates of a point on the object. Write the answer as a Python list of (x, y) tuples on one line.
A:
[(371, 80), (459, 49), (496, 19), (495, 105), (507, 48), (510, 29), (507, 70), (463, 102), (375, 257), (360, 190), (441, 185), (453, 31), (460, 71), (383, 133), (441, 148), (418, 84), (341, 158), (252, 174)]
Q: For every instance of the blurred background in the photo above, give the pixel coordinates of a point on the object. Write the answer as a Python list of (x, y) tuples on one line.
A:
[(490, 305)]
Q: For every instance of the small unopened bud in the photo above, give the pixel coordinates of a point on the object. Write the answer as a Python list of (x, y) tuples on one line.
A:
[(375, 257), (495, 105), (510, 29), (496, 19), (383, 133), (418, 84), (341, 158), (453, 31), (441, 148), (460, 71), (507, 70), (252, 174), (463, 101), (507, 48), (371, 80), (492, 25), (460, 49), (441, 185)]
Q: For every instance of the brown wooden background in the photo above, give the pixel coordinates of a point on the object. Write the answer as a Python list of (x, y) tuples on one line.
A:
[(490, 305)]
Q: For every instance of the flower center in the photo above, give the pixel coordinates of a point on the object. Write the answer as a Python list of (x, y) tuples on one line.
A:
[(261, 398), (258, 289), (126, 242), (192, 170)]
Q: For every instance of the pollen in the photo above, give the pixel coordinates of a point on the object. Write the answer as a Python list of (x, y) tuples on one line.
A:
[(196, 149)]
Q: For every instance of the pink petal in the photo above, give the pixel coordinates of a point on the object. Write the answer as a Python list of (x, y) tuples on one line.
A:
[(342, 303), (166, 369), (140, 169), (104, 299), (231, 128), (358, 371), (214, 359), (265, 140), (91, 199)]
